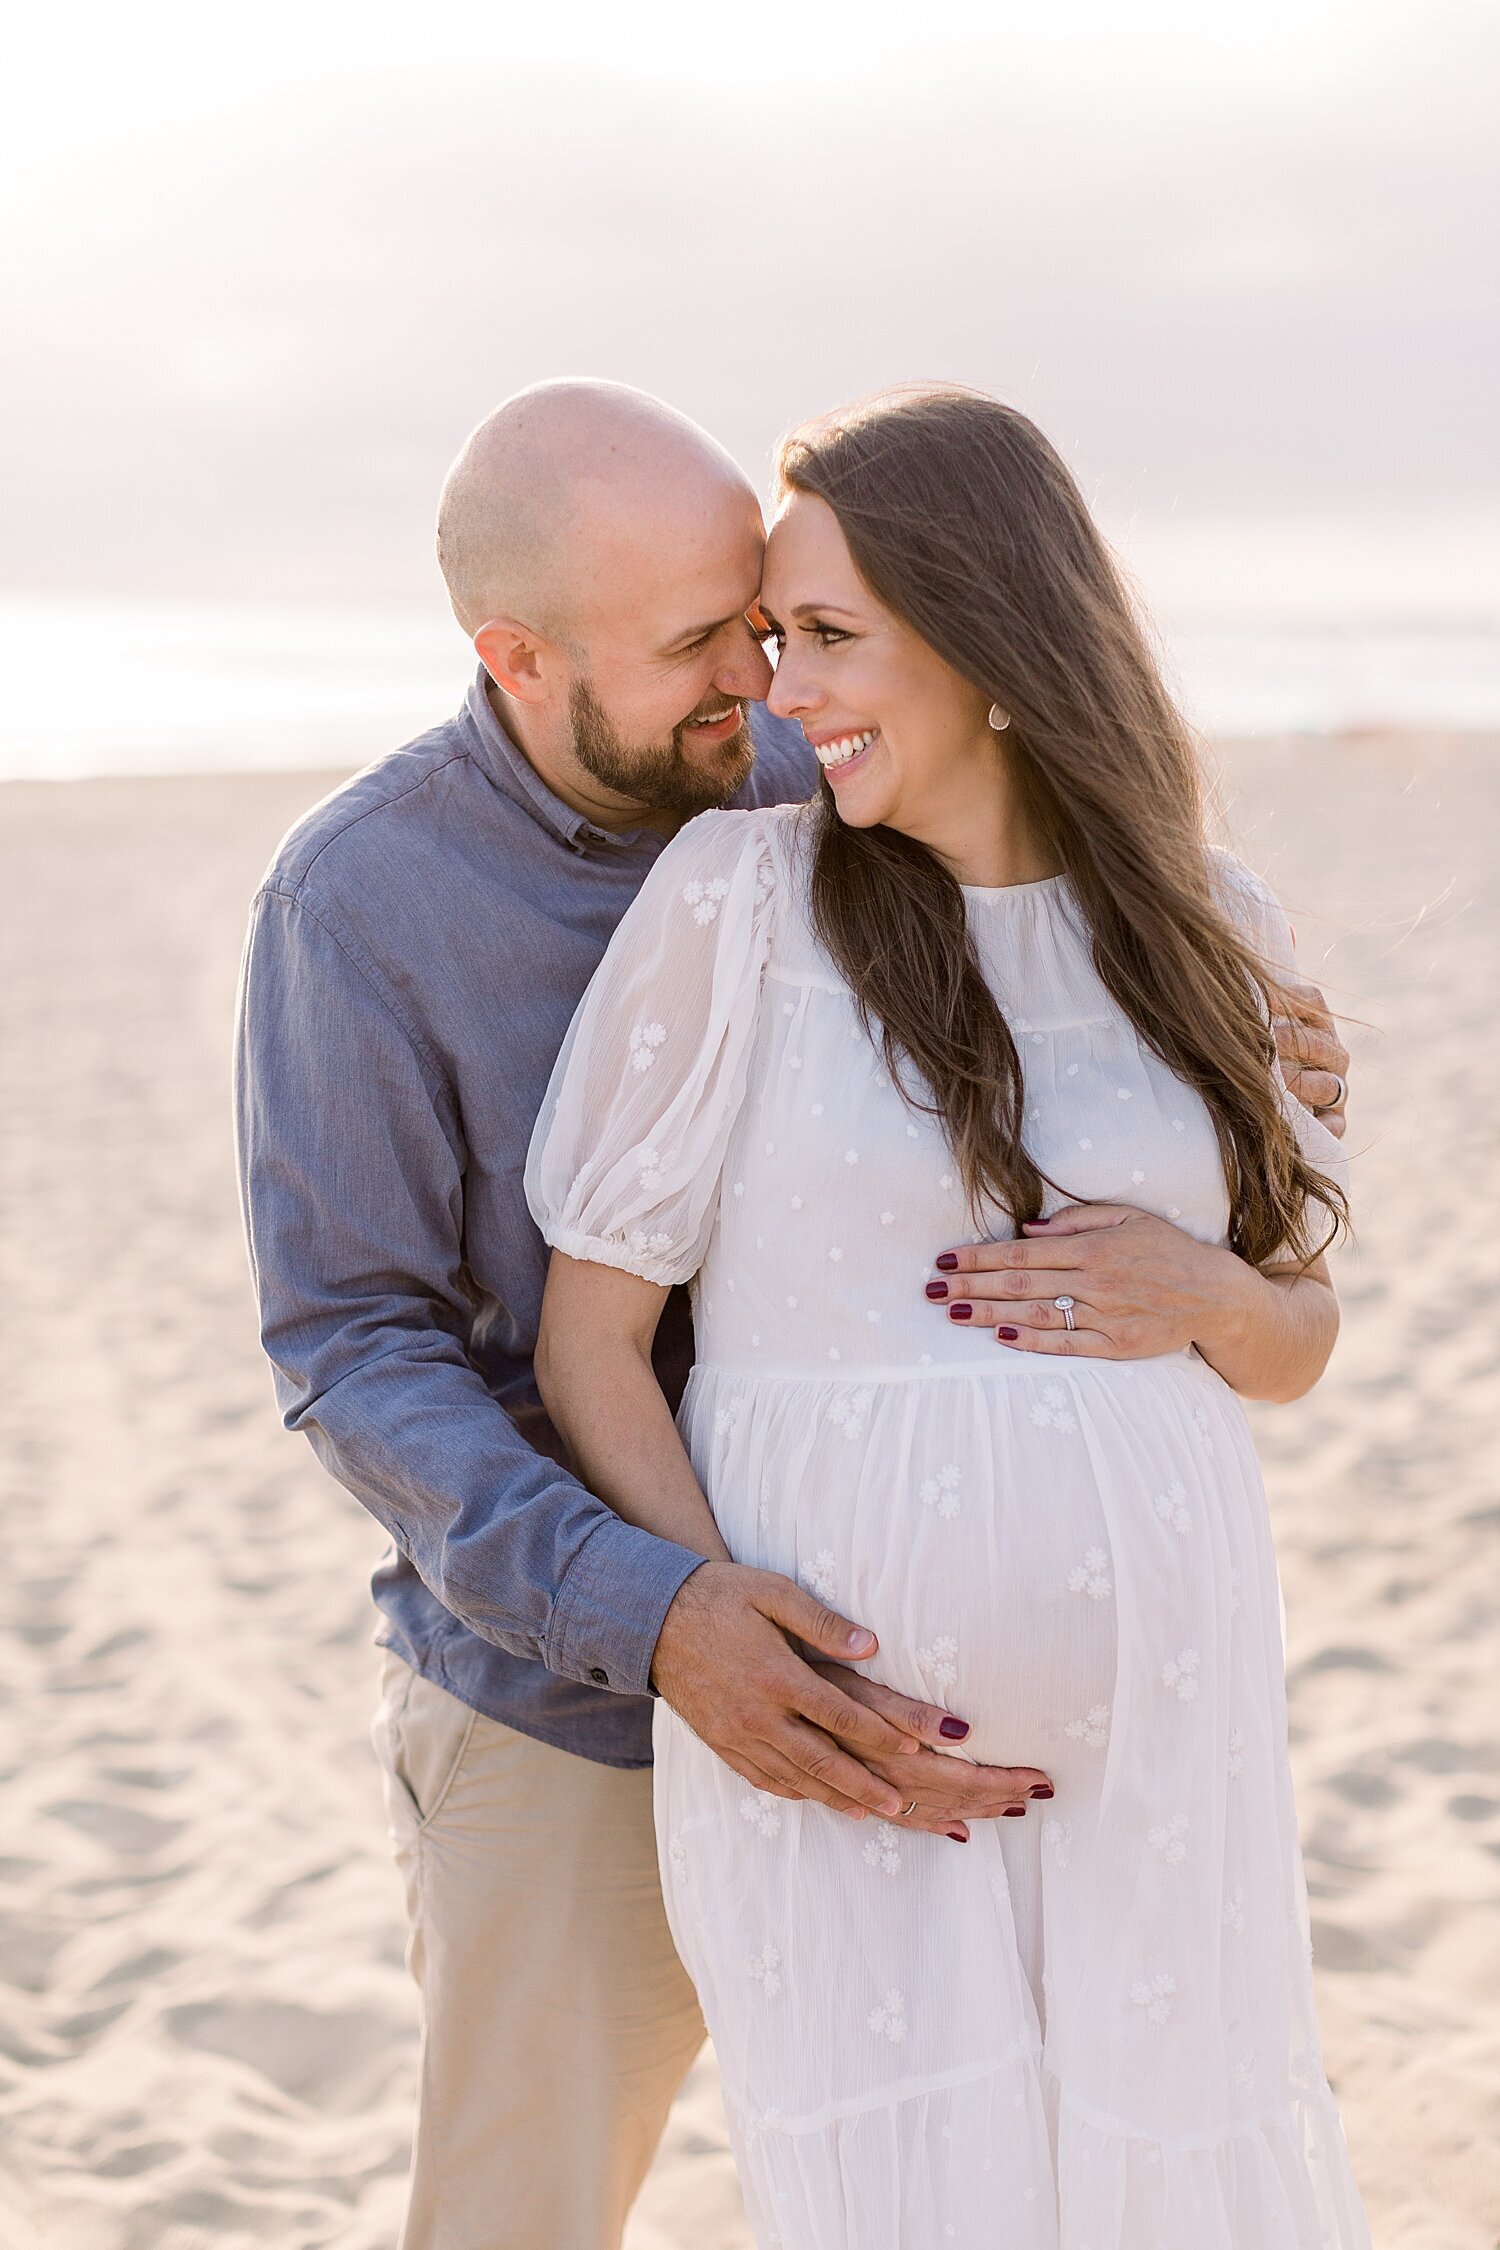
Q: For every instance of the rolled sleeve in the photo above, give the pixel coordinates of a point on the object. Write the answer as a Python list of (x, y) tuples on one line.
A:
[(611, 1607)]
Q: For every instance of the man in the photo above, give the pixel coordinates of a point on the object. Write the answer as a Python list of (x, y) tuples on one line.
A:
[(415, 955)]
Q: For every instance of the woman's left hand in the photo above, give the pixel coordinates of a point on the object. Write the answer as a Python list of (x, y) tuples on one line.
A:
[(1140, 1286)]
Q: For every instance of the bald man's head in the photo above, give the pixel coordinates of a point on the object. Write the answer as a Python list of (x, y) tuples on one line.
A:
[(602, 551), (553, 491)]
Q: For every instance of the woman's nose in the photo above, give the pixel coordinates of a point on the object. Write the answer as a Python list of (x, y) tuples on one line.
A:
[(788, 697)]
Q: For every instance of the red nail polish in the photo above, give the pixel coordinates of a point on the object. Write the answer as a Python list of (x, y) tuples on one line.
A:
[(948, 1262), (937, 1291), (1041, 1222), (1042, 1790), (960, 1312), (953, 1730), (958, 1836), (1009, 1334), (1014, 1812)]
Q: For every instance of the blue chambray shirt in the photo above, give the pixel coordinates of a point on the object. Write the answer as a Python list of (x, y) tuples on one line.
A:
[(415, 955)]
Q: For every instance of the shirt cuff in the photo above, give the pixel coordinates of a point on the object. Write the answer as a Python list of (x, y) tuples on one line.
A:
[(609, 1609)]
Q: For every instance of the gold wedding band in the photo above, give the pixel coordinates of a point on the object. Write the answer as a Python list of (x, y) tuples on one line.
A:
[(907, 1810)]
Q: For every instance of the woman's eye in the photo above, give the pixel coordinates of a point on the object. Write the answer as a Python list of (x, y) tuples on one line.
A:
[(828, 634)]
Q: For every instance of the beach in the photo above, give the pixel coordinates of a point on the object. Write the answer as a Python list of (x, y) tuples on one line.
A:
[(207, 2036)]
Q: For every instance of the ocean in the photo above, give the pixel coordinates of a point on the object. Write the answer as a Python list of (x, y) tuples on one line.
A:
[(92, 688)]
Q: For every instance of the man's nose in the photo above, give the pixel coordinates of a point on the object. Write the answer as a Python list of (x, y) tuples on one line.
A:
[(748, 672)]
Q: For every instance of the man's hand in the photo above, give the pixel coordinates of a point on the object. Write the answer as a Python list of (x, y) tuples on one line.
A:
[(1140, 1286), (725, 1663), (1314, 1060), (949, 1791)]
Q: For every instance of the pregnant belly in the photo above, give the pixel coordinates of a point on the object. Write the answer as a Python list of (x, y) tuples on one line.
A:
[(1017, 1540)]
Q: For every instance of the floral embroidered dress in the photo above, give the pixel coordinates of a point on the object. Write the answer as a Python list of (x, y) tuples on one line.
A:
[(1091, 2029)]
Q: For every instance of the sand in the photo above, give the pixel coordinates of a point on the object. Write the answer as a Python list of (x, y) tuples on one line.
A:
[(206, 2035)]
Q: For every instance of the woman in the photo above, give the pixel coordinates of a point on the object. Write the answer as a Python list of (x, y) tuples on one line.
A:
[(991, 975)]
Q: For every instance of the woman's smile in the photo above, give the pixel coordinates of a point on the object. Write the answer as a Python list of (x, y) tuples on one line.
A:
[(836, 754)]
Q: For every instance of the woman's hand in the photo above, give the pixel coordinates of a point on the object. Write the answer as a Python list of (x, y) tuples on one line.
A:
[(947, 1792), (1142, 1287), (747, 1659)]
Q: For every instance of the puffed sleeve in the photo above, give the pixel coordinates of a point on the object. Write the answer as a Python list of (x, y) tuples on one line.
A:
[(1261, 920), (628, 1151)]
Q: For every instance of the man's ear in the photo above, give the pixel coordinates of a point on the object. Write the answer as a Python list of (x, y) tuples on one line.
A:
[(517, 659)]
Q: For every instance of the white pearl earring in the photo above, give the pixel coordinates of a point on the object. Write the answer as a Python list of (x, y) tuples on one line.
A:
[(999, 719)]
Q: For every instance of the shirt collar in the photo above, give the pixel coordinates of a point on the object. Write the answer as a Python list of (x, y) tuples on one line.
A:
[(515, 774)]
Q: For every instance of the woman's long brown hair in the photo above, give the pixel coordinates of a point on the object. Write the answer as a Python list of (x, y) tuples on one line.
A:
[(963, 521)]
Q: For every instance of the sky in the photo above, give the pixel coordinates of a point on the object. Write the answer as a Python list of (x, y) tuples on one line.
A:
[(260, 272)]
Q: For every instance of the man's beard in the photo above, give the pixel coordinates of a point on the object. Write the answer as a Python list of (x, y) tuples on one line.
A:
[(661, 777)]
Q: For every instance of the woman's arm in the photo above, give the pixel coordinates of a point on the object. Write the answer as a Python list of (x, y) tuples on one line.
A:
[(594, 1371), (624, 1173), (726, 1659), (1140, 1287), (1269, 1334)]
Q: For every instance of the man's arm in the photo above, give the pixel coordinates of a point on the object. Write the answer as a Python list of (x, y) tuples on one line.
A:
[(351, 1167)]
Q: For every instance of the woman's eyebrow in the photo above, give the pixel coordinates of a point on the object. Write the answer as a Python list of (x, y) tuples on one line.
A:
[(822, 609)]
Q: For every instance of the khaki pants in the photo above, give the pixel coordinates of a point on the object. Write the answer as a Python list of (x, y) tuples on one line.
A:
[(558, 2022)]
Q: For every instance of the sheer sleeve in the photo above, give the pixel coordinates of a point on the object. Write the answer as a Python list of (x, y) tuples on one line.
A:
[(626, 1158), (1256, 912), (1259, 916)]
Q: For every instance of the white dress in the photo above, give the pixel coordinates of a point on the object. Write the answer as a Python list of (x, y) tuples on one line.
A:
[(1091, 2029)]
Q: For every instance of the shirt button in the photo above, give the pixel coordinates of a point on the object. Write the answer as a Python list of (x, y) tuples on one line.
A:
[(599, 1676)]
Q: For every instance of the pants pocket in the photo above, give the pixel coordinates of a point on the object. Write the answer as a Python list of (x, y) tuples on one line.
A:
[(420, 1734)]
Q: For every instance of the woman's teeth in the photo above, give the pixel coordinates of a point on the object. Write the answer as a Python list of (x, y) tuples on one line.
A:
[(848, 746)]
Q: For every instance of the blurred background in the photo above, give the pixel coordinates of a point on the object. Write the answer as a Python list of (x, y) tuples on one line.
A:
[(260, 272)]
